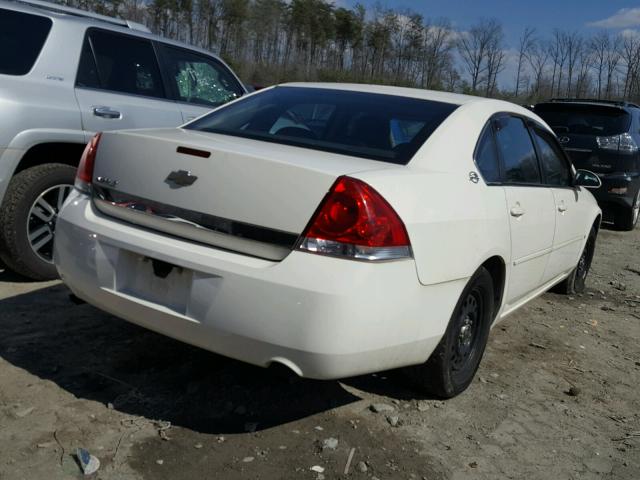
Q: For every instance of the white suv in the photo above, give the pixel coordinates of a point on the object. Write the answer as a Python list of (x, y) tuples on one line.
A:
[(65, 74)]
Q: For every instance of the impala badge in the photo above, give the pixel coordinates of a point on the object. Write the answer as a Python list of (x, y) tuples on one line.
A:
[(180, 178)]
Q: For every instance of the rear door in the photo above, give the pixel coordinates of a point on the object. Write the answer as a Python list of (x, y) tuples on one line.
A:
[(531, 207), (570, 215), (197, 82), (119, 85)]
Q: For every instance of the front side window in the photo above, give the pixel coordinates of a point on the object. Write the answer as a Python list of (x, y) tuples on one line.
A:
[(22, 36), (555, 168), (380, 127), (124, 64), (199, 79), (517, 151), (487, 157)]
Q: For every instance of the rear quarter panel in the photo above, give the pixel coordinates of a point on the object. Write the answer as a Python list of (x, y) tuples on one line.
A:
[(454, 223)]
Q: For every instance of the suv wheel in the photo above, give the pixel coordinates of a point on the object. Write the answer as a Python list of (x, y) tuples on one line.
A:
[(627, 219), (28, 218)]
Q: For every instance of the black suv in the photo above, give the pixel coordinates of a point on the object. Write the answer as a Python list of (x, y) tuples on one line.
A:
[(602, 136)]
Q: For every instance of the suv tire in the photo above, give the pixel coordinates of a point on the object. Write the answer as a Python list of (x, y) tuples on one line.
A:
[(627, 219), (20, 215)]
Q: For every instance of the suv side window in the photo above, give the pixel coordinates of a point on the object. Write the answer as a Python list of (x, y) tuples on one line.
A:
[(197, 78), (22, 36), (516, 148), (487, 156), (87, 70), (555, 167), (124, 64)]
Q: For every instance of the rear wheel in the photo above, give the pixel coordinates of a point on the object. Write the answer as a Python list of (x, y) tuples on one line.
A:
[(28, 218), (627, 219), (453, 364), (576, 281)]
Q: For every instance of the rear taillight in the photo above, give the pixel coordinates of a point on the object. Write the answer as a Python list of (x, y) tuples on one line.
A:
[(84, 175), (355, 221), (620, 143)]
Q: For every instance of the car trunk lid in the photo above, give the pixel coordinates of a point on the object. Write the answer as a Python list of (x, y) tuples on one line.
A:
[(234, 193)]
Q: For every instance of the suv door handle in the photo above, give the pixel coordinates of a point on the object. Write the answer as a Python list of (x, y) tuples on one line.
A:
[(562, 208), (517, 211), (106, 112)]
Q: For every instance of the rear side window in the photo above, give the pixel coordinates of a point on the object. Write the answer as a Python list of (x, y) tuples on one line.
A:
[(487, 157), (388, 128), (584, 119), (555, 167), (198, 79), (22, 36), (124, 64), (517, 151), (87, 70)]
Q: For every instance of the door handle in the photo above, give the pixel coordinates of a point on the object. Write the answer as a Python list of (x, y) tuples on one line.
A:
[(106, 112), (562, 208), (517, 211)]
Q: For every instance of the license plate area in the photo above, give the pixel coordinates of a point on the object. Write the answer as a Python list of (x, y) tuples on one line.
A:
[(154, 281)]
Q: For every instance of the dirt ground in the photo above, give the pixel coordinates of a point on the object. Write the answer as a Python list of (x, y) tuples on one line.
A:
[(152, 408)]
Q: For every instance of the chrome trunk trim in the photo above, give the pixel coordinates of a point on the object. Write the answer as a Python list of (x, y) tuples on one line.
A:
[(200, 227)]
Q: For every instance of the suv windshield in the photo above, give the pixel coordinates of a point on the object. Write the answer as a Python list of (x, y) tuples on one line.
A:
[(379, 127), (21, 39), (584, 119)]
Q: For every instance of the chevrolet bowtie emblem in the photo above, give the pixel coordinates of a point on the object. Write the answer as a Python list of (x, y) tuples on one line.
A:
[(180, 178)]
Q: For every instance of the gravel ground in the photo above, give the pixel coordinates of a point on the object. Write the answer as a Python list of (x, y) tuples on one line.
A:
[(556, 397)]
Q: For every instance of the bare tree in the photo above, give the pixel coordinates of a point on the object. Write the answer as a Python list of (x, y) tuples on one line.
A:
[(631, 60), (495, 63), (437, 47), (474, 47), (538, 58), (527, 42), (612, 61), (573, 44)]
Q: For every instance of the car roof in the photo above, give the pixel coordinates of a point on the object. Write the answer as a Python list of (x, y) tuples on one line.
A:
[(72, 15), (589, 101), (436, 96)]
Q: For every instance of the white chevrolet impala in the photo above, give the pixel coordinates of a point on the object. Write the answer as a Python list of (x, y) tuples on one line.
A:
[(334, 229)]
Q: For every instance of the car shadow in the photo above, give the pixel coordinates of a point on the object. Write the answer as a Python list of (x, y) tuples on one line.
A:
[(98, 357)]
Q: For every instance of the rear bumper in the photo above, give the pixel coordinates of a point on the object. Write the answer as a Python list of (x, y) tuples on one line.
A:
[(610, 200), (323, 317)]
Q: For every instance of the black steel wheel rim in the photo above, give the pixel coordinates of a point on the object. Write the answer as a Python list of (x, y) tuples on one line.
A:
[(468, 328)]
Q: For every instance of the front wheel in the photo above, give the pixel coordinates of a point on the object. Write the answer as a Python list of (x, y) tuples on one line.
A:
[(576, 281), (453, 364), (28, 219)]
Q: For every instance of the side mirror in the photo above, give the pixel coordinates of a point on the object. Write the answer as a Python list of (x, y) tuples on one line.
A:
[(587, 179)]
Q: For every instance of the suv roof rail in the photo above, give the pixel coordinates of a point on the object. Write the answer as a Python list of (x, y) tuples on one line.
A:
[(53, 7), (619, 103)]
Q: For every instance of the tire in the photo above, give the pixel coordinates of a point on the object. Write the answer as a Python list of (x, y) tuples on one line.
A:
[(576, 281), (453, 364), (626, 219), (21, 218)]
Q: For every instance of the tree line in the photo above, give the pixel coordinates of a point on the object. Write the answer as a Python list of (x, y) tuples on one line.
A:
[(271, 41)]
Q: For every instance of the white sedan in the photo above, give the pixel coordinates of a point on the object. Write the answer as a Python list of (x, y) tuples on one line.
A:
[(334, 229)]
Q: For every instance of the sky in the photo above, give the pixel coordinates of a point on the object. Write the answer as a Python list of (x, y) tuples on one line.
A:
[(585, 16), (545, 15)]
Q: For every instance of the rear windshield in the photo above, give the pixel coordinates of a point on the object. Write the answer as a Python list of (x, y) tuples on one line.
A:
[(584, 119), (21, 39), (379, 127)]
